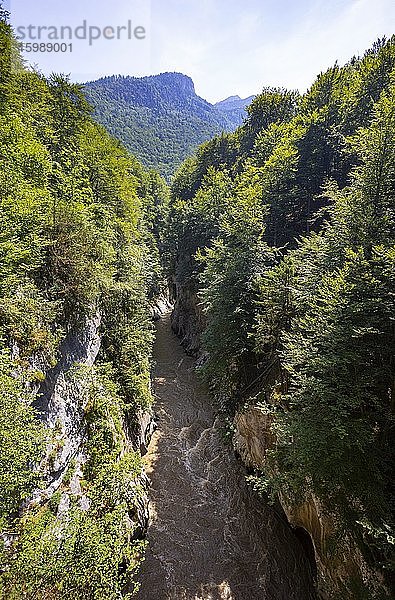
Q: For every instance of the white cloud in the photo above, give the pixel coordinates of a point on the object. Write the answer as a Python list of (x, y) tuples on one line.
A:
[(230, 53), (315, 46)]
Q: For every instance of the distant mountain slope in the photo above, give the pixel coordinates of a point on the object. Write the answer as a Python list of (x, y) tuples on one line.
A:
[(160, 118), (234, 107)]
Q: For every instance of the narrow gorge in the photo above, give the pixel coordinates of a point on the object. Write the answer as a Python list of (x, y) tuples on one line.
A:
[(197, 374), (210, 537)]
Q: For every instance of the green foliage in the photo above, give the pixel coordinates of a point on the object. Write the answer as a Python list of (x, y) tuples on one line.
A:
[(228, 281), (90, 549), (81, 222), (285, 233), (22, 440), (89, 555), (273, 105), (339, 352)]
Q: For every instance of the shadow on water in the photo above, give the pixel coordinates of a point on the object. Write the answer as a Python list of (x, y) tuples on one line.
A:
[(210, 537)]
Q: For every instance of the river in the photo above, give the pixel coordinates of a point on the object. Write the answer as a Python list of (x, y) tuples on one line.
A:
[(210, 536)]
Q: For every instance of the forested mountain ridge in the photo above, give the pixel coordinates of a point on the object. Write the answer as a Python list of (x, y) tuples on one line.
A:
[(280, 249), (159, 118)]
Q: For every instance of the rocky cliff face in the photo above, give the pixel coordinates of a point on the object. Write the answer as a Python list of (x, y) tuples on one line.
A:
[(61, 402), (187, 319), (339, 573)]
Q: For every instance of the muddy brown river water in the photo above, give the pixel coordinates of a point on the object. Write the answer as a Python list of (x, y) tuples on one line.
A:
[(210, 536)]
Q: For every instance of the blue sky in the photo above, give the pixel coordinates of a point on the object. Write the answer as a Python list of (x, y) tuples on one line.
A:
[(227, 47)]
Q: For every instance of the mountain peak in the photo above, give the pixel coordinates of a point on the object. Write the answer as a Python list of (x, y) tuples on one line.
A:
[(230, 99), (234, 103), (183, 82)]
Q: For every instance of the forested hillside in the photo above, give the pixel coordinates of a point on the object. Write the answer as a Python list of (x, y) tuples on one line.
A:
[(78, 267), (160, 118), (281, 255)]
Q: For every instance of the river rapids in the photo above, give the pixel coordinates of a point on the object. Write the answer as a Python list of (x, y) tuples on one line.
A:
[(210, 536)]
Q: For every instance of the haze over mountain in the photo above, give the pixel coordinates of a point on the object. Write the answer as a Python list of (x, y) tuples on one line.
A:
[(160, 118), (234, 107)]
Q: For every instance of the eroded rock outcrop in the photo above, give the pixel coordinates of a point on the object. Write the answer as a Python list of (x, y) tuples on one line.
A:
[(339, 572), (187, 319), (61, 400), (61, 403)]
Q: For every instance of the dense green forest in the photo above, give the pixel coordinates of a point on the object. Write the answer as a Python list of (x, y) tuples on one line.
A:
[(160, 118), (79, 217), (281, 254)]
